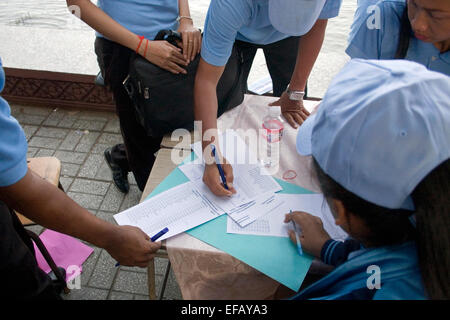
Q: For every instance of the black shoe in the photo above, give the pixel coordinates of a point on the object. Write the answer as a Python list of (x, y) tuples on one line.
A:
[(120, 177)]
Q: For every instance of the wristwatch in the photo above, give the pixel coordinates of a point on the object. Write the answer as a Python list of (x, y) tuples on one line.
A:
[(294, 94)]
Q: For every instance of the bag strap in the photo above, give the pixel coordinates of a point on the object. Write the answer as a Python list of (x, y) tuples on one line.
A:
[(405, 35)]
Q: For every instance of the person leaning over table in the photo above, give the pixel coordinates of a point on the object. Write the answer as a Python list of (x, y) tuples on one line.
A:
[(119, 25), (381, 151), (35, 198), (415, 30), (275, 26)]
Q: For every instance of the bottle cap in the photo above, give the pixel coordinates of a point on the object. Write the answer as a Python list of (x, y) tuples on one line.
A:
[(275, 111)]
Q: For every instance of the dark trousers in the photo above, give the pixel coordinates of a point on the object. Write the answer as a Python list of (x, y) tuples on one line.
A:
[(137, 153), (20, 275), (280, 59)]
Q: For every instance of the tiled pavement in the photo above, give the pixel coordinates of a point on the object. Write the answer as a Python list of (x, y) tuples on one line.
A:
[(78, 139)]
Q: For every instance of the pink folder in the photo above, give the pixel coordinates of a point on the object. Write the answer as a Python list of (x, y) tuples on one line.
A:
[(67, 252)]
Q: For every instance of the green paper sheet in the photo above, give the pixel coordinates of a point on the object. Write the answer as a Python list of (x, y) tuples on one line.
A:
[(276, 257)]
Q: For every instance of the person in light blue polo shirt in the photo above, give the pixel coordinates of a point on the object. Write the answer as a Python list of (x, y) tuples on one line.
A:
[(380, 145), (291, 34), (35, 198), (416, 30), (124, 27)]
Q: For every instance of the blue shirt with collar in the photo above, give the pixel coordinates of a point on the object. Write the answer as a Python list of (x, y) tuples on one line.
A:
[(245, 20), (143, 17), (13, 143), (371, 39)]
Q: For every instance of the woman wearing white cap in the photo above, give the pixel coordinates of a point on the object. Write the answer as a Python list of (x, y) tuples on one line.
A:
[(381, 150), (415, 30), (274, 26)]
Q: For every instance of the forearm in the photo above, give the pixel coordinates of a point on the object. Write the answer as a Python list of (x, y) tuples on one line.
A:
[(205, 100), (183, 8), (308, 51), (98, 20), (48, 206)]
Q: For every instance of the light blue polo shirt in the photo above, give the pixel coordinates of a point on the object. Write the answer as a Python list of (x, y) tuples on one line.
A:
[(13, 143), (143, 17), (371, 40), (245, 20)]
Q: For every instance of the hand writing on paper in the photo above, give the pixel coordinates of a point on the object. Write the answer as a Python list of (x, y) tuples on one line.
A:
[(211, 177), (130, 246), (313, 235)]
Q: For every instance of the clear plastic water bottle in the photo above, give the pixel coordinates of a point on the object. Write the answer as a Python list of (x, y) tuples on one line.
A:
[(271, 137)]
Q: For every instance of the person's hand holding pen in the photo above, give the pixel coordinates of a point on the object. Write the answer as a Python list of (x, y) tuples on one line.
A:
[(220, 183), (313, 236)]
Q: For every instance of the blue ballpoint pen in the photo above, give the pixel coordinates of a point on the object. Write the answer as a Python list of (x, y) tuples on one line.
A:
[(297, 238), (222, 173), (154, 238)]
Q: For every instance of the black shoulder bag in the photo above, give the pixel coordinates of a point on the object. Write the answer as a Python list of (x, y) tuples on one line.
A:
[(165, 101)]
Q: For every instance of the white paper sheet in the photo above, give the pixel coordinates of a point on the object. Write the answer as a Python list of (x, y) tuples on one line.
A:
[(249, 183), (179, 209), (272, 223)]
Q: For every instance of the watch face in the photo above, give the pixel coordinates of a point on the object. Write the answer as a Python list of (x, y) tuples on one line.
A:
[(296, 95)]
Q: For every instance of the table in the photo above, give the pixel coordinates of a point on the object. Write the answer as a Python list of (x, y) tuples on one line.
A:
[(202, 271)]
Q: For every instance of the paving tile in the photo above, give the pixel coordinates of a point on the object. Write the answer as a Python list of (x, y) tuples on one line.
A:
[(99, 148), (31, 152), (70, 157), (172, 291), (54, 117), (132, 282), (94, 125), (37, 111), (104, 272), (67, 122), (45, 153), (35, 228), (160, 267), (104, 171), (91, 166), (71, 140), (112, 200), (30, 119), (69, 169), (86, 293), (110, 139), (89, 265), (116, 295), (96, 115), (107, 216), (132, 198), (52, 132), (141, 297), (29, 131), (41, 142), (65, 182), (87, 141), (89, 186), (112, 126), (88, 201)]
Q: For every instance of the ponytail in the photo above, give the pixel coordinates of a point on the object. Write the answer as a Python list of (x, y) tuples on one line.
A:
[(432, 200), (405, 36)]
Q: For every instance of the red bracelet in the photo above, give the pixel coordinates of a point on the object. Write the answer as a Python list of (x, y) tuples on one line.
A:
[(140, 42), (145, 51)]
